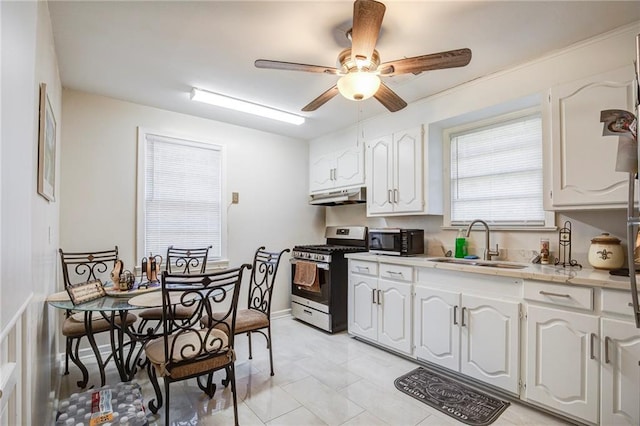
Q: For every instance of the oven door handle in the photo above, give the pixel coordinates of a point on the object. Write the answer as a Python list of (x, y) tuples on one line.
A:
[(319, 265)]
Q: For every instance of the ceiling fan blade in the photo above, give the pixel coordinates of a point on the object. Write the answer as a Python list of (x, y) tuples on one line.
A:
[(434, 61), (389, 98), (367, 20), (321, 100), (292, 66)]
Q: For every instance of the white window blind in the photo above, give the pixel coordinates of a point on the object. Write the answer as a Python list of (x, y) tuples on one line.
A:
[(182, 195), (496, 173)]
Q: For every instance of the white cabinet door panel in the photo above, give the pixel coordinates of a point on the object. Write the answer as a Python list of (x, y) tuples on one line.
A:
[(437, 335), (620, 395), (362, 312), (490, 344), (349, 168), (320, 173), (408, 189), (394, 327), (380, 175), (562, 368)]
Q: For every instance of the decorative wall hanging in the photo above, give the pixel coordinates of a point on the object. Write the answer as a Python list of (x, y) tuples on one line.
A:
[(46, 147)]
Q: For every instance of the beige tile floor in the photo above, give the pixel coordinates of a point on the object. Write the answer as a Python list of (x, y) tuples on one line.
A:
[(320, 379)]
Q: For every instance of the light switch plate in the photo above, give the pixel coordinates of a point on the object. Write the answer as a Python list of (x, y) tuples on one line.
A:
[(235, 197)]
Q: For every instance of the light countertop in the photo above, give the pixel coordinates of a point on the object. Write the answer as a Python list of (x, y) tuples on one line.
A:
[(586, 276)]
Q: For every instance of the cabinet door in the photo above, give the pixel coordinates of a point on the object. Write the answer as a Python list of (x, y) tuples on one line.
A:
[(362, 311), (380, 175), (562, 369), (321, 173), (437, 334), (584, 161), (394, 321), (407, 189), (490, 344), (349, 169), (620, 395)]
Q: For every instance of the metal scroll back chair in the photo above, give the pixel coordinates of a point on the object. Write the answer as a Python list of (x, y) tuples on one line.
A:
[(186, 349), (178, 261), (257, 317), (80, 267)]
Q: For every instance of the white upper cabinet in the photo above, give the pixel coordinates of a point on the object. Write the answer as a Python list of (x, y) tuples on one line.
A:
[(395, 173), (583, 161), (339, 169)]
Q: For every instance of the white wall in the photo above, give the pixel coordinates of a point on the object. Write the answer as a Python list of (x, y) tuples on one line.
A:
[(29, 223), (98, 182), (610, 51)]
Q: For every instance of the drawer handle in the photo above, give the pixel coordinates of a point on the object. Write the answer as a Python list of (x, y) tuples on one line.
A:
[(607, 339), (462, 317), (395, 273), (592, 338), (362, 268), (306, 311), (630, 304), (455, 315), (548, 293)]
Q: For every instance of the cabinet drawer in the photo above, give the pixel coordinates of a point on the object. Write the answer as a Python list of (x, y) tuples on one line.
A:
[(396, 272), (616, 302), (363, 267), (559, 294)]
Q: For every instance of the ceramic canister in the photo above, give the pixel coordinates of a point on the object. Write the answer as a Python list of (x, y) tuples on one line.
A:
[(606, 252)]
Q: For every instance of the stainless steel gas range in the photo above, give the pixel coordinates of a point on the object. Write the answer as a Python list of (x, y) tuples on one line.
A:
[(319, 277)]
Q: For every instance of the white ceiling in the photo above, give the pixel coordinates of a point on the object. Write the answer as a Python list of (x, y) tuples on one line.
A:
[(153, 52)]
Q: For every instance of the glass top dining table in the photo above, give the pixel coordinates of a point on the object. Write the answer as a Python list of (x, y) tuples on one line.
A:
[(114, 308)]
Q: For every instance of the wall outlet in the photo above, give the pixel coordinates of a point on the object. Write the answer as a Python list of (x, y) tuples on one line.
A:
[(235, 197)]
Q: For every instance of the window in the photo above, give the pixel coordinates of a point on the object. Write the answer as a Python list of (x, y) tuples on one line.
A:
[(496, 172), (180, 187)]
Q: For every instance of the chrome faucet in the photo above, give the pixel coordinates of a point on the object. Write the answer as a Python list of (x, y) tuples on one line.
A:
[(488, 253)]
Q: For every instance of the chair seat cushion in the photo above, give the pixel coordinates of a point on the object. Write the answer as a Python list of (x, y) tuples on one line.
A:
[(71, 327), (187, 346), (181, 312), (246, 320)]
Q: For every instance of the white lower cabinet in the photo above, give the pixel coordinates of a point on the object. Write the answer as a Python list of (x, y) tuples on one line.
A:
[(380, 309), (620, 373), (477, 336), (562, 361)]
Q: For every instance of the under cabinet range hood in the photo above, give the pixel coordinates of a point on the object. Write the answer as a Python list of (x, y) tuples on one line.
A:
[(339, 197)]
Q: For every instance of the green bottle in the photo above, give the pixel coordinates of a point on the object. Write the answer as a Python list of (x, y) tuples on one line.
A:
[(461, 245)]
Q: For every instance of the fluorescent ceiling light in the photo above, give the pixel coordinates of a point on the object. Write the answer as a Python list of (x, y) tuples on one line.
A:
[(244, 106)]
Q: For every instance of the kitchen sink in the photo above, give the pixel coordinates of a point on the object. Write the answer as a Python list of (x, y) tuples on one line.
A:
[(477, 262)]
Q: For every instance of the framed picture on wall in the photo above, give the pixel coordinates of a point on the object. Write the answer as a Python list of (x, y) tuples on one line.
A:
[(46, 147)]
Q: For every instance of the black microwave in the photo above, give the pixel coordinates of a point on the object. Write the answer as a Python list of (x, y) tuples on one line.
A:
[(396, 241)]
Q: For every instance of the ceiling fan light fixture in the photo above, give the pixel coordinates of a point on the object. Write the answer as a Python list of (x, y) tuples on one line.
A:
[(244, 106), (358, 85)]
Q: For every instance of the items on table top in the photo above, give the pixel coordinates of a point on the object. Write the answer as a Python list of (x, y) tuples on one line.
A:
[(605, 252)]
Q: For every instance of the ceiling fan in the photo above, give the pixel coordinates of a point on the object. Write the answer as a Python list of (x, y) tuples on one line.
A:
[(360, 68)]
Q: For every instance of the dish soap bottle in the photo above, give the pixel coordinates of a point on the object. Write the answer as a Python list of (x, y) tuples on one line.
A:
[(461, 245)]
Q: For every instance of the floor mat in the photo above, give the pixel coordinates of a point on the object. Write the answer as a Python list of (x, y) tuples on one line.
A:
[(451, 397)]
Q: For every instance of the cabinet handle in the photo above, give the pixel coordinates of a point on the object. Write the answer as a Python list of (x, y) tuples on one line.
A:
[(362, 268), (335, 174), (630, 304), (462, 317), (592, 337), (395, 273), (606, 350), (373, 296), (548, 293), (389, 197), (395, 196), (379, 297), (455, 315)]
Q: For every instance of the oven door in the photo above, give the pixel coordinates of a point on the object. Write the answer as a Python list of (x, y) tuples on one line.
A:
[(319, 295)]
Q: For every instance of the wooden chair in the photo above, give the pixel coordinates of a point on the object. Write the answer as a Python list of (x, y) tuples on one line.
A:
[(178, 261), (79, 267), (186, 350), (257, 317)]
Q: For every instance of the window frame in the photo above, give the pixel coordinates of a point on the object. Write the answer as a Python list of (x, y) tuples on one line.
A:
[(212, 262), (447, 133)]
